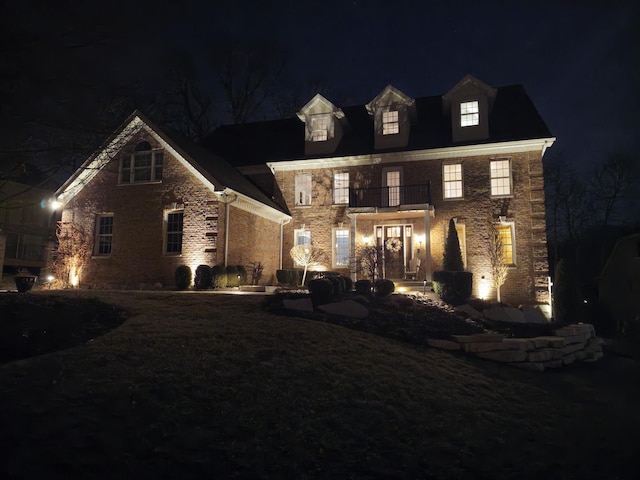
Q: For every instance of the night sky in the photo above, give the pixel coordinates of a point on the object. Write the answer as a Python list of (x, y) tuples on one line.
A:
[(579, 61)]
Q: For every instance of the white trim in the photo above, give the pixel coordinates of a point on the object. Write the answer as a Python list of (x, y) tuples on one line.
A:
[(251, 205), (499, 148), (91, 168)]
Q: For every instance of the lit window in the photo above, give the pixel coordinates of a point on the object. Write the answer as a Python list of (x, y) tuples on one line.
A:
[(340, 247), (143, 165), (341, 188), (104, 235), (303, 189), (390, 123), (452, 180), (319, 128), (500, 178), (174, 225), (469, 114), (506, 234), (302, 236)]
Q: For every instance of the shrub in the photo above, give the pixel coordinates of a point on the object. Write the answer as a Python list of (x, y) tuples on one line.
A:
[(452, 259), (337, 284), (183, 277), (348, 284), (321, 291), (218, 276), (452, 287), (289, 277), (232, 275), (203, 278), (363, 287), (255, 272), (384, 287)]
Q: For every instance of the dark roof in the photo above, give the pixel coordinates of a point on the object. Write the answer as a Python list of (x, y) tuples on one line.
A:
[(513, 117), (218, 170)]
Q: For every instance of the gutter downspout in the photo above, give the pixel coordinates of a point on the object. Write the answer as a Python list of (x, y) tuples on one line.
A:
[(227, 202), (282, 224)]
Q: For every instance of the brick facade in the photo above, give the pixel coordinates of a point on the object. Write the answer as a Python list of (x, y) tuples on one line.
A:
[(526, 281), (138, 258)]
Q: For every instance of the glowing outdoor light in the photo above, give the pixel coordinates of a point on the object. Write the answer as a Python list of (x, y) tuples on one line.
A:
[(54, 204), (483, 291), (420, 239), (367, 240)]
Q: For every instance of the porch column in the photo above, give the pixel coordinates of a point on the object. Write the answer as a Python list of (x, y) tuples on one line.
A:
[(352, 247), (427, 244)]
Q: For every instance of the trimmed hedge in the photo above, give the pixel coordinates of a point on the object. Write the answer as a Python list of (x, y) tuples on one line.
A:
[(289, 277), (183, 277), (203, 278), (452, 287), (363, 287), (218, 276), (384, 287), (321, 291)]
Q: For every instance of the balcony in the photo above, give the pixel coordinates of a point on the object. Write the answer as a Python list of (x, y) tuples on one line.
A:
[(386, 197)]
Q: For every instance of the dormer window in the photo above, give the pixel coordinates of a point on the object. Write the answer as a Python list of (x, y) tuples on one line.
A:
[(469, 114), (390, 124), (319, 128)]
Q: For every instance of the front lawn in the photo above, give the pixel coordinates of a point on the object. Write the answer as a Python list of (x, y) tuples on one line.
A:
[(203, 385)]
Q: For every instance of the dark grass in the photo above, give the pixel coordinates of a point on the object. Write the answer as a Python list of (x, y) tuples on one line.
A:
[(199, 385)]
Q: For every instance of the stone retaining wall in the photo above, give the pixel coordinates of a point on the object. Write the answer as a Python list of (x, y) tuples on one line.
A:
[(576, 342)]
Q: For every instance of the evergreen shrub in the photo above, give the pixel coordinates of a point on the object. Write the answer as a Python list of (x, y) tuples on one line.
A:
[(183, 277), (218, 276), (384, 287), (203, 278), (321, 291)]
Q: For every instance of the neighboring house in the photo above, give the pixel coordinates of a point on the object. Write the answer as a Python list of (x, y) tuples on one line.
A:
[(390, 173), (393, 173), (149, 201), (27, 227), (619, 283)]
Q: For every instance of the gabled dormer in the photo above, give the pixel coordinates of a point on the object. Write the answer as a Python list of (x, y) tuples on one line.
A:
[(393, 113), (469, 106), (324, 125)]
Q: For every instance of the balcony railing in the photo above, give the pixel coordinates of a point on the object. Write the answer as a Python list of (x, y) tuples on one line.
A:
[(390, 196)]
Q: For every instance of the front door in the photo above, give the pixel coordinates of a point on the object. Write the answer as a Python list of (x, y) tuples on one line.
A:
[(395, 244)]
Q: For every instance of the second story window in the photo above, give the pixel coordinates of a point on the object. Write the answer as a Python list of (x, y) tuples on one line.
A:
[(469, 114), (303, 189), (341, 188), (390, 124), (319, 128), (142, 166), (500, 178), (452, 180)]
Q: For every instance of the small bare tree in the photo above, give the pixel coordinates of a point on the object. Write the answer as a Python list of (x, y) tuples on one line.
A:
[(369, 258), (307, 255), (499, 269), (74, 249)]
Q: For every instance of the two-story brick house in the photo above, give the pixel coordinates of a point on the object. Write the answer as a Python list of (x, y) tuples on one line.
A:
[(393, 173), (390, 173)]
